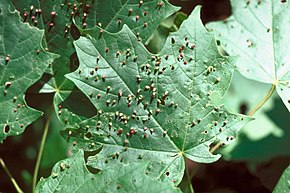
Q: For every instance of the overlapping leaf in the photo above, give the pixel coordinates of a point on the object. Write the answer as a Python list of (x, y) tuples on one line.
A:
[(22, 62), (258, 31), (142, 17), (71, 175), (153, 107)]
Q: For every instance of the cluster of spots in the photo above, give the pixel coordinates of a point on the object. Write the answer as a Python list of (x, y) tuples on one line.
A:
[(32, 15), (141, 16)]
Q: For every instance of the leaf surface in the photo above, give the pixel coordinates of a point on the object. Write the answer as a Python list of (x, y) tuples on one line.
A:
[(142, 17), (71, 175), (258, 31), (283, 185), (22, 62), (153, 107)]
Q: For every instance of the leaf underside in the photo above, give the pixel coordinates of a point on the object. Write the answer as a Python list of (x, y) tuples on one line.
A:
[(152, 107), (258, 31), (22, 62)]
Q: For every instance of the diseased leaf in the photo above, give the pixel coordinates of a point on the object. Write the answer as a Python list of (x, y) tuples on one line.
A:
[(71, 176), (258, 31), (153, 107), (22, 63), (283, 185), (142, 17)]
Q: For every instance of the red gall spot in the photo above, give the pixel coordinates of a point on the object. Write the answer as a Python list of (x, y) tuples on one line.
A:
[(160, 4), (120, 131), (32, 18), (145, 13), (140, 3), (132, 131), (145, 128), (107, 50), (145, 135), (137, 17), (184, 62), (19, 105), (119, 22), (130, 12), (59, 106), (7, 84), (119, 186), (53, 14)]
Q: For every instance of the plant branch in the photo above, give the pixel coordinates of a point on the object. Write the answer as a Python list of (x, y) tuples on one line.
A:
[(188, 179), (265, 99), (18, 189), (251, 113), (40, 152)]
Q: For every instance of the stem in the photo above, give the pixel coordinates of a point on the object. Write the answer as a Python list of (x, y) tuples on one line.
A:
[(18, 189), (188, 179), (269, 94), (36, 169), (252, 112), (218, 145)]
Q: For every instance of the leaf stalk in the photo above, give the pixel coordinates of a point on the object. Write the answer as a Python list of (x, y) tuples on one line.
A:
[(40, 152), (16, 186)]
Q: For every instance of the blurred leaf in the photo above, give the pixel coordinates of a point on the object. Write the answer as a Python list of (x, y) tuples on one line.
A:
[(22, 62), (71, 175), (258, 31)]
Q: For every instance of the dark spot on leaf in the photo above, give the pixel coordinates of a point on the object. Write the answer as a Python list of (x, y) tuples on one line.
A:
[(6, 128)]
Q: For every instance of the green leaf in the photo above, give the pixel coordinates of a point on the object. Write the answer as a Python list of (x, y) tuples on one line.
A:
[(71, 175), (264, 138), (283, 185), (158, 38), (22, 62), (153, 107), (258, 31), (142, 17)]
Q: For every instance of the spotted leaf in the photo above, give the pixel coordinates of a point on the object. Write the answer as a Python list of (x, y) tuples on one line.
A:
[(22, 62), (71, 175), (150, 107)]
